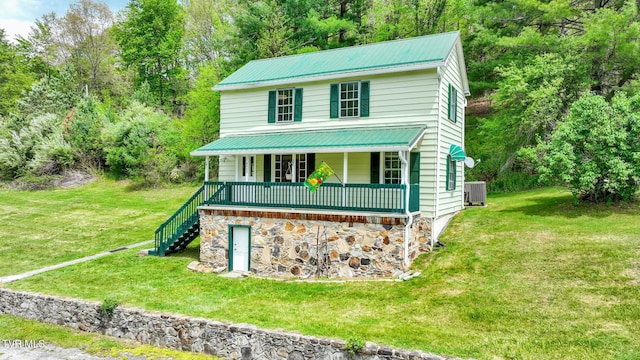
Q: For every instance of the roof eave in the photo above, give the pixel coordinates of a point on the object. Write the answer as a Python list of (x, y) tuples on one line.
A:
[(321, 150), (331, 76)]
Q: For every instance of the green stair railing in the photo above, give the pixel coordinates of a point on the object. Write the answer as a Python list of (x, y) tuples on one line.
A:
[(185, 218), (178, 223)]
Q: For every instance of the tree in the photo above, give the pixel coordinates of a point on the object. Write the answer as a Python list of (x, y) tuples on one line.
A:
[(41, 46), (15, 76), (596, 150), (85, 41), (532, 98), (207, 30), (149, 33)]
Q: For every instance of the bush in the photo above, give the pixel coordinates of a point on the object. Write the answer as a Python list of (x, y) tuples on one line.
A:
[(596, 150), (142, 145)]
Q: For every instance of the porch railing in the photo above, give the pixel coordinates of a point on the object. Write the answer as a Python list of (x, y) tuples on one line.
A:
[(385, 198)]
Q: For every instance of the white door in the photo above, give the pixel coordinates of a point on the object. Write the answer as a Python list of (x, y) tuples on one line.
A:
[(239, 248), (248, 168)]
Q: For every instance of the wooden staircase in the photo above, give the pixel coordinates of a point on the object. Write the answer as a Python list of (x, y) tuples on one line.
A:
[(184, 225)]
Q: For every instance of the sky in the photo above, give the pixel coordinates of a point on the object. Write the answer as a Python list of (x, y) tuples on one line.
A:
[(17, 16)]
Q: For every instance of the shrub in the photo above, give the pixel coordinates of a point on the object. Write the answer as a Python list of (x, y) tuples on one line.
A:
[(596, 150)]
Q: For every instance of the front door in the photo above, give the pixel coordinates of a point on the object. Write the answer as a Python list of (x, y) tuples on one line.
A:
[(248, 168), (239, 248)]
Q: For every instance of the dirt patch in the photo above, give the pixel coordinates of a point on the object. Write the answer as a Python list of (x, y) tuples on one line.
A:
[(73, 178)]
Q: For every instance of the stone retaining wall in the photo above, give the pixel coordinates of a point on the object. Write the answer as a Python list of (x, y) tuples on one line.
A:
[(285, 244), (228, 341)]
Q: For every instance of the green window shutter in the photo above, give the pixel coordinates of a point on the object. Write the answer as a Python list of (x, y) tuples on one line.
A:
[(375, 167), (334, 102), (449, 103), (272, 107), (364, 99), (267, 168), (447, 173), (414, 168), (311, 163), (455, 104), (297, 108), (455, 173)]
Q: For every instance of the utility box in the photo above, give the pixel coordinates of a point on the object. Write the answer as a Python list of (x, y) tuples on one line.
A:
[(475, 192)]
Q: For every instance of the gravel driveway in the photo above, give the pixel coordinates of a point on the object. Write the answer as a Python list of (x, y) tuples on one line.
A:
[(50, 352)]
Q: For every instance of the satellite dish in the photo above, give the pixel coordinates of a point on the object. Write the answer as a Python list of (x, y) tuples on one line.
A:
[(469, 162)]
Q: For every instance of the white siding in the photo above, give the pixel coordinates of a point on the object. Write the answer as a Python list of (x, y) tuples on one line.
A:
[(398, 98), (450, 201)]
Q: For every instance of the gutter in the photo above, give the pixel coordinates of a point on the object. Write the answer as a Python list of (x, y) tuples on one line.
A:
[(436, 206), (407, 227)]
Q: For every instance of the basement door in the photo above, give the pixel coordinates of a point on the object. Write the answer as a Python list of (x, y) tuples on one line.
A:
[(239, 247)]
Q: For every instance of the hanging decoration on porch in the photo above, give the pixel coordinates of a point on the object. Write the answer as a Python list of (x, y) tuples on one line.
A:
[(319, 176)]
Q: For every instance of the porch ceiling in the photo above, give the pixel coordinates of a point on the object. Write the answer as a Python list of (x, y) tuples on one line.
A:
[(317, 141)]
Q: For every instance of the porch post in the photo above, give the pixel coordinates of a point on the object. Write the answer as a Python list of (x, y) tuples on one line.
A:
[(206, 168), (345, 177), (206, 178)]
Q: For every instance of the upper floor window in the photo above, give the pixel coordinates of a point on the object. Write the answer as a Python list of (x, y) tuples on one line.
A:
[(349, 100), (452, 111), (285, 105)]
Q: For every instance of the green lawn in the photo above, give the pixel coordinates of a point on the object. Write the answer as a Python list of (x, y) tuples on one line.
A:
[(530, 276), (39, 228)]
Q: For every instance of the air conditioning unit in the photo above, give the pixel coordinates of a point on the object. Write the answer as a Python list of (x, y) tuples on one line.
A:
[(475, 192)]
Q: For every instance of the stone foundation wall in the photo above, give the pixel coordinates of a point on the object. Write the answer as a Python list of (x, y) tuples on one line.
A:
[(305, 245), (228, 341)]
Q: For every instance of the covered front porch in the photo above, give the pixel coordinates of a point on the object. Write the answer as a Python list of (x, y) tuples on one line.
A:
[(375, 169), (373, 198)]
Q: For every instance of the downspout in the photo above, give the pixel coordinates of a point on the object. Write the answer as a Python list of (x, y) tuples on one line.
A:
[(436, 206), (407, 196)]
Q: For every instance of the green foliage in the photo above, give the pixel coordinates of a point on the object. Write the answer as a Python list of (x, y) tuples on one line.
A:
[(38, 147), (596, 150), (52, 95), (149, 33), (141, 144), (201, 122), (83, 132), (354, 344), (109, 306), (15, 75)]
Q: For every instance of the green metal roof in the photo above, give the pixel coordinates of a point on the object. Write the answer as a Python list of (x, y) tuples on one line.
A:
[(423, 50), (316, 141)]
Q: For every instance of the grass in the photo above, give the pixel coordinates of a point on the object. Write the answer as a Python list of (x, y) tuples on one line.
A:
[(39, 228), (530, 276), (13, 328)]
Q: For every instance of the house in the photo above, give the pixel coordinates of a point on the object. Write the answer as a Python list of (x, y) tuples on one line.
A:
[(388, 118)]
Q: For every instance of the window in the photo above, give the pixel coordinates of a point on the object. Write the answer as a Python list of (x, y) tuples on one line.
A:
[(284, 168), (451, 173), (349, 100), (285, 105), (452, 112), (392, 168)]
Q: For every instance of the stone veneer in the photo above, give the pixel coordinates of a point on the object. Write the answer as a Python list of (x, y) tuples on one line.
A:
[(228, 341), (291, 244)]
